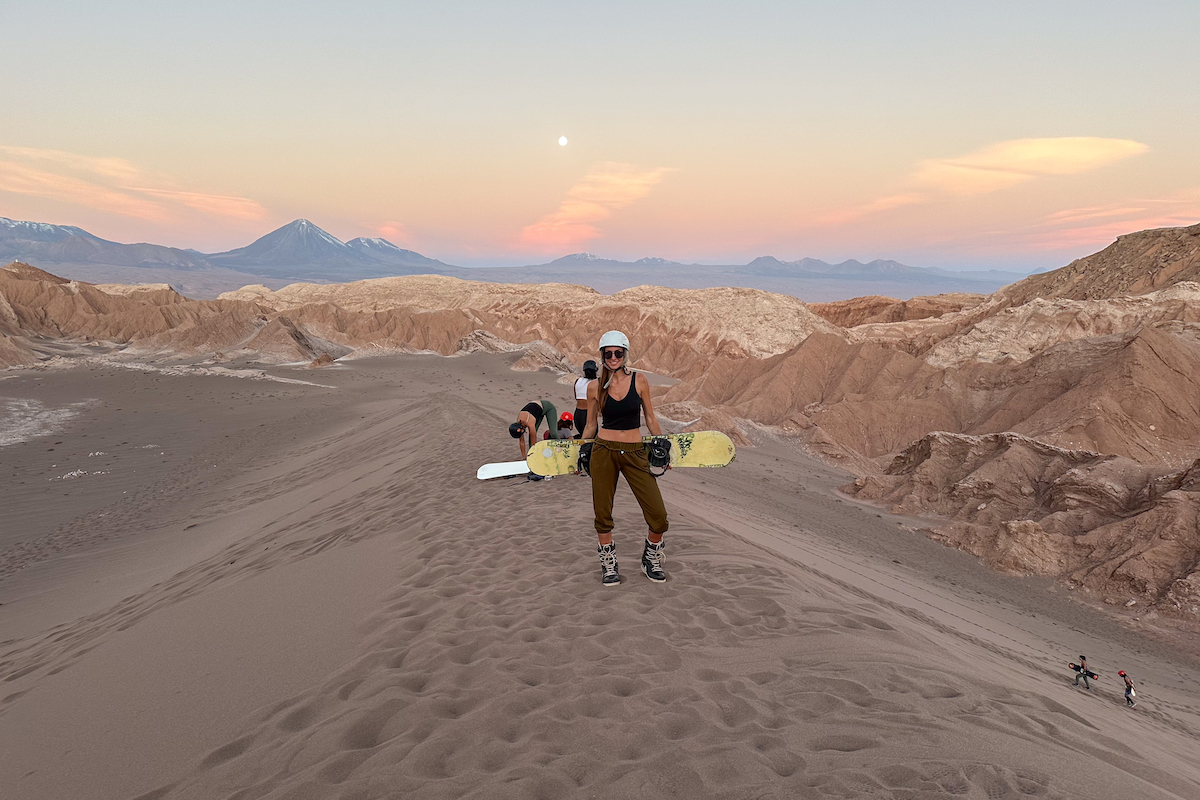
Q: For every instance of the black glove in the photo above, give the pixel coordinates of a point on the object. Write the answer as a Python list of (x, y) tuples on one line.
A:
[(658, 453), (585, 458)]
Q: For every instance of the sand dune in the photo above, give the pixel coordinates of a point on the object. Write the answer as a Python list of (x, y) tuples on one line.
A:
[(1099, 356), (347, 612)]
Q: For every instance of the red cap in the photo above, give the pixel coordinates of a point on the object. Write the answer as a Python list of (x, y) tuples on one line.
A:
[(1121, 673), (566, 416)]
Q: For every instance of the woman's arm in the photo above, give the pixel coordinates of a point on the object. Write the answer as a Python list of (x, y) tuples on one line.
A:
[(593, 405), (643, 387), (525, 418)]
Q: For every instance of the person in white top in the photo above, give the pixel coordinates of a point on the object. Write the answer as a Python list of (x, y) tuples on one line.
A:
[(581, 388)]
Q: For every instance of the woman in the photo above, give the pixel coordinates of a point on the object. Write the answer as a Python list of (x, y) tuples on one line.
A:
[(615, 403), (529, 419), (581, 387)]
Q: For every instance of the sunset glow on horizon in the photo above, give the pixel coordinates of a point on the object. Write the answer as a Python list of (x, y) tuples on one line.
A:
[(932, 133)]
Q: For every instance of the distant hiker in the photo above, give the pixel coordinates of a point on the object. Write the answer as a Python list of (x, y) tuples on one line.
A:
[(529, 419), (615, 402), (1129, 693), (581, 395), (1081, 671)]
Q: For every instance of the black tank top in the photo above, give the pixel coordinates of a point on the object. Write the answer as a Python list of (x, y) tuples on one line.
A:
[(536, 410), (624, 414)]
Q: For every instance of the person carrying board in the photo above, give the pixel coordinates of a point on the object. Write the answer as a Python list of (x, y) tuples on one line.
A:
[(616, 402)]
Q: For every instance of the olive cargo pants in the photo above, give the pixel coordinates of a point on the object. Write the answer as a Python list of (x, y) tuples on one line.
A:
[(610, 460)]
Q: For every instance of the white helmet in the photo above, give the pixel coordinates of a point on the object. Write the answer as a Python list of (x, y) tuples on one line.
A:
[(614, 339)]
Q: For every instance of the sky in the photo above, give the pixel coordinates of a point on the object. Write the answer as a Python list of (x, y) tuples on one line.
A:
[(1011, 135)]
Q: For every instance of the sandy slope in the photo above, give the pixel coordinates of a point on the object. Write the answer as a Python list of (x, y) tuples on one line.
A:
[(346, 612)]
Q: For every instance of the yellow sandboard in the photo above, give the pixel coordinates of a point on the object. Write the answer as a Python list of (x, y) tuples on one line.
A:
[(698, 449)]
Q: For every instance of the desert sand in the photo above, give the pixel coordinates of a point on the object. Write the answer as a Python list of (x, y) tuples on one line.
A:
[(215, 584)]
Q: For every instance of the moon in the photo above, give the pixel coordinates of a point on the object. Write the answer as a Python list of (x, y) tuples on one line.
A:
[(562, 141)]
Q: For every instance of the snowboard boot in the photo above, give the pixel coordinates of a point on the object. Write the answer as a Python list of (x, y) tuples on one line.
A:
[(608, 564), (652, 555)]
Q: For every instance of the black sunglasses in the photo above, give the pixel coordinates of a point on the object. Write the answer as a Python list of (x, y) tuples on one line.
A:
[(616, 352)]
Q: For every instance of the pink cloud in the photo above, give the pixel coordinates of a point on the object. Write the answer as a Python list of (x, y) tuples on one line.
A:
[(1005, 164), (393, 231), (1078, 227), (852, 213), (215, 204), (608, 187), (112, 185), (23, 179), (1100, 236), (1093, 212), (117, 168), (994, 167)]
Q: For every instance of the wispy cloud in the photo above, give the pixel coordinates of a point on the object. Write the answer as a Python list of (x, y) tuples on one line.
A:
[(1005, 164), (393, 232), (1087, 229), (844, 215), (608, 187), (1069, 215), (111, 184), (116, 168), (1100, 225), (215, 204), (994, 167), (24, 179)]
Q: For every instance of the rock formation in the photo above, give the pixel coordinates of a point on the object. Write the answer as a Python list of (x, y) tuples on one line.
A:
[(1125, 530), (874, 308), (1135, 393), (1136, 263), (668, 324), (1056, 423)]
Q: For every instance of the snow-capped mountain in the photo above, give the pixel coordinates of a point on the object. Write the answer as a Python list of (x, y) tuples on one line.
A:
[(298, 243), (39, 231), (386, 252), (301, 249), (40, 242), (577, 259)]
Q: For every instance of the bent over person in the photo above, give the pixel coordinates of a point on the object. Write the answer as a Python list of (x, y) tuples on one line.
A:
[(528, 420), (616, 402)]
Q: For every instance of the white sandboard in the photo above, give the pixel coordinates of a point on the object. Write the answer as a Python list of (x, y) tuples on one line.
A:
[(505, 469)]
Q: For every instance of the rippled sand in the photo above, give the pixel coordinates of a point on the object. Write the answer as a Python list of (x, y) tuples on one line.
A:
[(302, 591)]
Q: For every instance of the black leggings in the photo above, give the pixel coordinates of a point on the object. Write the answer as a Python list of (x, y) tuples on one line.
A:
[(580, 420)]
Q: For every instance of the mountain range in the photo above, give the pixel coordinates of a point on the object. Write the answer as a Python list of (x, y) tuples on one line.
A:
[(298, 250), (38, 242), (302, 251), (809, 267)]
